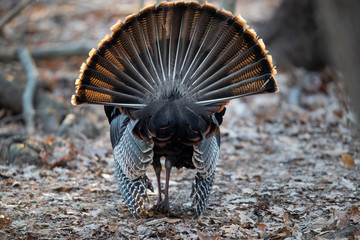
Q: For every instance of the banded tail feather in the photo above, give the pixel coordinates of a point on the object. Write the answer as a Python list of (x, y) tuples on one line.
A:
[(168, 72), (176, 44)]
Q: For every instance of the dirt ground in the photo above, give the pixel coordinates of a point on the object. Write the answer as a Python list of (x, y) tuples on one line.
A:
[(289, 166)]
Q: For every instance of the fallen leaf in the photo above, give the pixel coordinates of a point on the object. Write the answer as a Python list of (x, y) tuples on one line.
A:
[(63, 189), (49, 140), (338, 113), (261, 226), (62, 162), (354, 214), (348, 160), (4, 221), (229, 229), (207, 236)]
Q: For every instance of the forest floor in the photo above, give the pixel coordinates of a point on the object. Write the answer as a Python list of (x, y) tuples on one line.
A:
[(289, 166)]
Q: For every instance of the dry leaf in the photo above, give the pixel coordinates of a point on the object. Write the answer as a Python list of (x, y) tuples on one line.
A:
[(261, 226), (62, 162), (348, 160), (338, 113), (4, 221), (49, 140), (207, 236), (63, 189)]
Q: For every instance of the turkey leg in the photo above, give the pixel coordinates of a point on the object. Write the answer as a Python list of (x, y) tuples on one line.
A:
[(157, 168), (164, 206)]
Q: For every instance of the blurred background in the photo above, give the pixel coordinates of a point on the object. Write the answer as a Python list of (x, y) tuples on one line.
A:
[(306, 133)]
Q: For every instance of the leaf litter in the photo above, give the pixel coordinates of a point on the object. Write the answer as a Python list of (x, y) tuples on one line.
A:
[(288, 168)]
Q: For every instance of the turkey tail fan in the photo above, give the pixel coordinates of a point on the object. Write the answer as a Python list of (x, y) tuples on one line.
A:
[(208, 55)]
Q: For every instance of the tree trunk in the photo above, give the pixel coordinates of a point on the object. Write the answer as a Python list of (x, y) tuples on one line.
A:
[(293, 35), (340, 21), (228, 5)]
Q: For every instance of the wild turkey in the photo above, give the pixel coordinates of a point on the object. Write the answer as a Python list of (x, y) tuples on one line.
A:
[(165, 76)]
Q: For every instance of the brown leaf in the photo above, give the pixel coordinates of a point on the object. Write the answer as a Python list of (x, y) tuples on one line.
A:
[(356, 233), (4, 221), (261, 226), (62, 162), (348, 160), (49, 140), (9, 182), (257, 177), (229, 229), (354, 214), (207, 236), (342, 219), (88, 190), (63, 189), (338, 113)]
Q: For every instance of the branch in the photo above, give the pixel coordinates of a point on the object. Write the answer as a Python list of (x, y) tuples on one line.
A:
[(13, 12), (28, 96), (66, 50)]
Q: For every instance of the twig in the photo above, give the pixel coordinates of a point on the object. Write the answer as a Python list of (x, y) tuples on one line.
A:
[(61, 51), (13, 12), (48, 52), (28, 96)]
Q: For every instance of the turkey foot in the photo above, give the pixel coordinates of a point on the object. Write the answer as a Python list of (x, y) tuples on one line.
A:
[(162, 207)]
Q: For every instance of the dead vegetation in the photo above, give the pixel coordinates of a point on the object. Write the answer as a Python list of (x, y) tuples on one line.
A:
[(288, 169)]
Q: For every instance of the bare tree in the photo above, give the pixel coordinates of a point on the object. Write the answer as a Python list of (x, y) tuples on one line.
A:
[(340, 23)]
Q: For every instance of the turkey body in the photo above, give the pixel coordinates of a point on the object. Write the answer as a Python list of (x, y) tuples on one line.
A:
[(165, 77)]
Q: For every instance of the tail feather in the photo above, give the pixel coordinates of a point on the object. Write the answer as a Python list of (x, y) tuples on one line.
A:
[(96, 94), (99, 63), (137, 50), (204, 55), (186, 33), (122, 45), (255, 85), (230, 60), (199, 34), (214, 30), (95, 78), (219, 39), (249, 72), (175, 37)]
